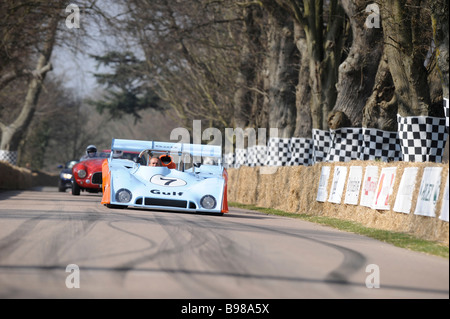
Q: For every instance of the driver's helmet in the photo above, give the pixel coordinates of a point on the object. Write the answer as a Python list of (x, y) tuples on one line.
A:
[(91, 151)]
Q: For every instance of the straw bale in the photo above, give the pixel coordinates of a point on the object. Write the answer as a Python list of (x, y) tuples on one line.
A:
[(14, 177), (294, 189)]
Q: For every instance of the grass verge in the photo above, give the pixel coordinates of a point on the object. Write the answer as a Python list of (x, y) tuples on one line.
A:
[(395, 238)]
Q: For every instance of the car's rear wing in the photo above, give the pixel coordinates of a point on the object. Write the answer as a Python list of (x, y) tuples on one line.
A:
[(203, 150)]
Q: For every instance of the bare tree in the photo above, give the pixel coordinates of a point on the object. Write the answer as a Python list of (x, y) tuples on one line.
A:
[(407, 40), (357, 72), (12, 133), (325, 28), (439, 15)]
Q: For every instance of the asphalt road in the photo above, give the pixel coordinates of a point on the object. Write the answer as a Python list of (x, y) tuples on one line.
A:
[(55, 245)]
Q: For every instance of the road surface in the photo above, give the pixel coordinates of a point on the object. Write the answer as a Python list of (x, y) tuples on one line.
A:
[(55, 245)]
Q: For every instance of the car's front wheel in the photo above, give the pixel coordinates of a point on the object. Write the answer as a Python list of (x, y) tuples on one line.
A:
[(116, 206), (75, 188)]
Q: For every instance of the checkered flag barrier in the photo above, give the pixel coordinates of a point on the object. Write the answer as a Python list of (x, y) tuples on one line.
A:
[(228, 160), (380, 145), (422, 138), (241, 157), (446, 112), (256, 155), (278, 151), (345, 144), (9, 156), (322, 143), (301, 150)]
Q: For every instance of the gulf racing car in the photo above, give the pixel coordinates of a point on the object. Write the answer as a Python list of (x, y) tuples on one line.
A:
[(190, 177)]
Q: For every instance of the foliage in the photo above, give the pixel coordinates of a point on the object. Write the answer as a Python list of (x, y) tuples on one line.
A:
[(128, 89), (294, 65)]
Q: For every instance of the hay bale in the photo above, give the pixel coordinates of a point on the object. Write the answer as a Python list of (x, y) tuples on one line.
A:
[(14, 177), (294, 189)]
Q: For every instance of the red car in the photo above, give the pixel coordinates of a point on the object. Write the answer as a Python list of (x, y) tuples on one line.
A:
[(87, 174)]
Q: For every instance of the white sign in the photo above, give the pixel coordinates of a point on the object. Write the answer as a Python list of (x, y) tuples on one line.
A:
[(444, 209), (405, 190), (429, 191), (353, 185), (337, 186), (384, 188), (369, 185), (323, 182)]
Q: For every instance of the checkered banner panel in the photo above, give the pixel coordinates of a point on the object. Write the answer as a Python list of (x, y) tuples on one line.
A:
[(241, 157), (9, 156), (228, 160), (322, 143), (278, 151), (302, 150), (380, 145), (345, 144), (446, 112), (422, 138), (256, 155)]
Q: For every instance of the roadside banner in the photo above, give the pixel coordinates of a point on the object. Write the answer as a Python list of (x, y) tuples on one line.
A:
[(369, 185), (429, 192), (384, 188), (444, 209), (405, 191), (337, 186), (353, 185), (323, 182)]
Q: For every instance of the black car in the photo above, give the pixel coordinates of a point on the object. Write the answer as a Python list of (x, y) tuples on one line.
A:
[(65, 176)]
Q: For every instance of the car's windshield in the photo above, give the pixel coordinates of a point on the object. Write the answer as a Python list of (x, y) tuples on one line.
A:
[(70, 164)]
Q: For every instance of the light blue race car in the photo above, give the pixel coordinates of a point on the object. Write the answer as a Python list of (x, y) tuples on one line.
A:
[(189, 177)]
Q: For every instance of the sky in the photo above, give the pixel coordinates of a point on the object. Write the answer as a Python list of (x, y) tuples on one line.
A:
[(71, 60)]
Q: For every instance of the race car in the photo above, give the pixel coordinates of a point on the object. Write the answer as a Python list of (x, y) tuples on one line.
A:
[(65, 176), (87, 174), (190, 177)]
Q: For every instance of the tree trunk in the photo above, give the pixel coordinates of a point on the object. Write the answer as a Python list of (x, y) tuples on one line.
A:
[(282, 72), (380, 111), (439, 15), (12, 134), (246, 77), (357, 72), (325, 50), (406, 46), (303, 126)]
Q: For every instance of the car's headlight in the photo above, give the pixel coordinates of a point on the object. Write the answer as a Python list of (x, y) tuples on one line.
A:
[(208, 202), (66, 176), (81, 173), (123, 195)]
